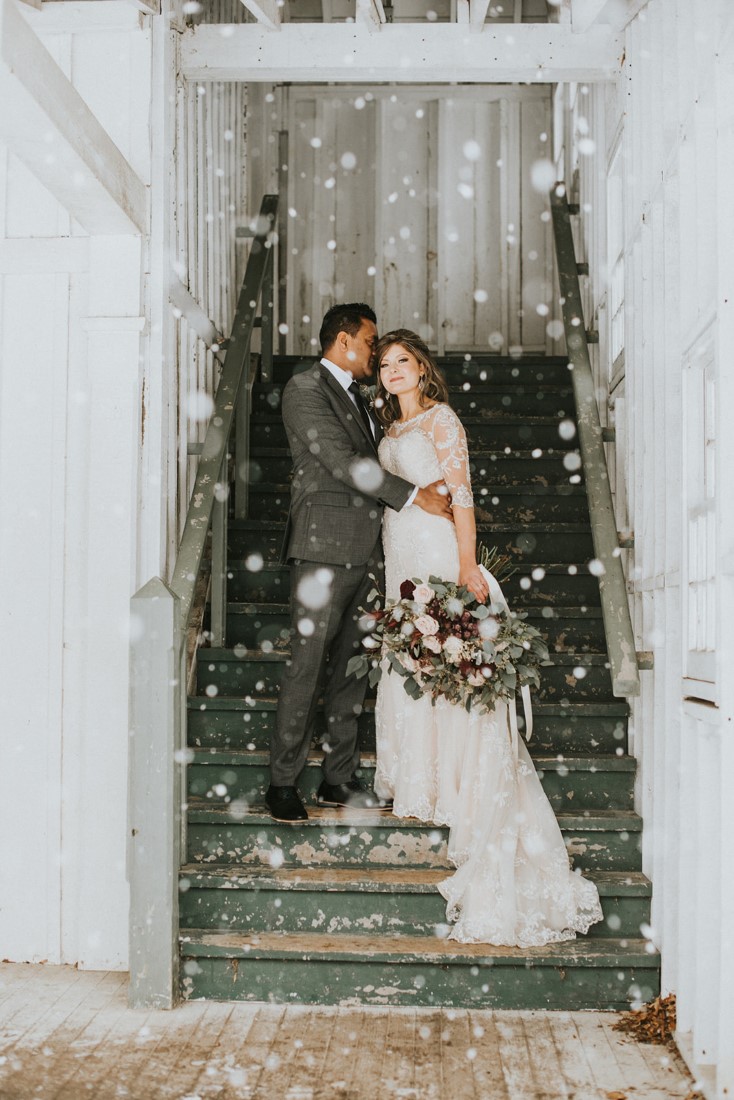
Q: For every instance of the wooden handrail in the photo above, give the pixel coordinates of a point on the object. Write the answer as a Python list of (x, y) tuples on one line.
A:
[(612, 584), (214, 448)]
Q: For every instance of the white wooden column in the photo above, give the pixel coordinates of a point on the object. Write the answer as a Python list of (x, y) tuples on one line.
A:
[(100, 580)]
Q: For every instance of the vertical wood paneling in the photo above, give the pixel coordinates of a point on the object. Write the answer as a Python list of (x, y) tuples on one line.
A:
[(536, 288), (209, 200), (406, 194), (352, 192), (439, 202), (301, 304), (32, 446)]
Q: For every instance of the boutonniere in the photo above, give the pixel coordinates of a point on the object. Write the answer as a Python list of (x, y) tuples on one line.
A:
[(368, 394)]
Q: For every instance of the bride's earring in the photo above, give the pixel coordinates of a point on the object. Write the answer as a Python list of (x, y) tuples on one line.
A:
[(421, 381)]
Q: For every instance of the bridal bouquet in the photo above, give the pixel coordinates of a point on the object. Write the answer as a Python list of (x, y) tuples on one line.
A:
[(443, 642)]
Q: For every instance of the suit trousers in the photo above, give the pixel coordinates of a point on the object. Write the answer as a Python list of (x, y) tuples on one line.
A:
[(325, 633)]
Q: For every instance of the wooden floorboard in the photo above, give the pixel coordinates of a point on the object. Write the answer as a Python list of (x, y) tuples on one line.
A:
[(69, 1035), (571, 1055)]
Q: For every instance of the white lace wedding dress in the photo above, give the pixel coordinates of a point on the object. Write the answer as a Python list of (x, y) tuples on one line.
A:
[(513, 884)]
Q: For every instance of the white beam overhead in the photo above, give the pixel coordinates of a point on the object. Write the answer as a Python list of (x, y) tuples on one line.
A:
[(49, 127), (401, 54), (269, 13)]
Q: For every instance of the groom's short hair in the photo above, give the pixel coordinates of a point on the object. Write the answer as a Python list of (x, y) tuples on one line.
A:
[(344, 318)]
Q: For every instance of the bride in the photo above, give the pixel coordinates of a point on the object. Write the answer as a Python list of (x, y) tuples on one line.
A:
[(513, 885)]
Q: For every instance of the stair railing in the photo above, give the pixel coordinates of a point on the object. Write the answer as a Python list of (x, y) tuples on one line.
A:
[(160, 616), (612, 585)]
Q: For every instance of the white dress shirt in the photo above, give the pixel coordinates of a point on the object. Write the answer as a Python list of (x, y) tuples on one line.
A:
[(345, 379)]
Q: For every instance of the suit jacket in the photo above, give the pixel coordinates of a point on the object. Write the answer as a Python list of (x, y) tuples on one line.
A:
[(338, 488)]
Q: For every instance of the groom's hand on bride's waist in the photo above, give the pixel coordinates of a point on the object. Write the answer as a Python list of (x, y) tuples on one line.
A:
[(436, 499)]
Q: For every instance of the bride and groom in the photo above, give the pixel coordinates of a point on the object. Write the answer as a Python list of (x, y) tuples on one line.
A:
[(400, 480)]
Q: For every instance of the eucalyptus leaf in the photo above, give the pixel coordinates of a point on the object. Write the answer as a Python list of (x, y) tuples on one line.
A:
[(357, 666), (375, 675)]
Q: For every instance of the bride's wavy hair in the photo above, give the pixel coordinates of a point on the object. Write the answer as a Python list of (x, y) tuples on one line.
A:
[(434, 389)]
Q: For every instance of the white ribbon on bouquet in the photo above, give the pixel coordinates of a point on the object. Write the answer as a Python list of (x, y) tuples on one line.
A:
[(497, 597)]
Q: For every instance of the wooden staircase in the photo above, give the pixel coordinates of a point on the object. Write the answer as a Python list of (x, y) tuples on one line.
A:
[(343, 908)]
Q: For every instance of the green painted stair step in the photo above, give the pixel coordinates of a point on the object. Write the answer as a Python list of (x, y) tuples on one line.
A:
[(530, 504), (344, 908), (592, 782), (492, 428), (469, 398), (537, 543), (499, 465), (491, 369), (233, 833), (317, 968), (576, 629), (241, 671), (364, 901), (232, 723), (253, 580)]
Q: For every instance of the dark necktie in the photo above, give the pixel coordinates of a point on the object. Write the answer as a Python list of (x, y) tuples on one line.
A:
[(355, 392)]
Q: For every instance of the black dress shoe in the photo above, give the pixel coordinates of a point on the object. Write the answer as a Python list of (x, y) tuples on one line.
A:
[(285, 804), (353, 794)]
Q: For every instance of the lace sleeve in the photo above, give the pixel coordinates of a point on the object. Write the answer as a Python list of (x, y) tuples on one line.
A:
[(449, 439)]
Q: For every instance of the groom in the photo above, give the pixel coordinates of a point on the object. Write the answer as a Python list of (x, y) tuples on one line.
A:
[(332, 543)]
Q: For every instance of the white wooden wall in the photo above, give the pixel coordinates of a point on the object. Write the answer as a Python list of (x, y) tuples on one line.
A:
[(210, 203), (422, 202), (657, 229), (71, 318), (100, 391)]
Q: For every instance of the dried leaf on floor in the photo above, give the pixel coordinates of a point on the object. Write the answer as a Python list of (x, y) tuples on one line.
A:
[(653, 1023)]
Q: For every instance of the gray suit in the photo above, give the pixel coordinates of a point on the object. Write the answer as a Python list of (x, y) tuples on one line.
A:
[(333, 543)]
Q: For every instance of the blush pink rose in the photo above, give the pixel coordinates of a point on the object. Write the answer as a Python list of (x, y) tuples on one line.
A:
[(426, 624), (423, 593), (432, 643)]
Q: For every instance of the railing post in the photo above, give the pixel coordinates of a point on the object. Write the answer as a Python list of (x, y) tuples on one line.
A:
[(242, 449), (267, 313), (154, 795), (282, 236), (219, 558)]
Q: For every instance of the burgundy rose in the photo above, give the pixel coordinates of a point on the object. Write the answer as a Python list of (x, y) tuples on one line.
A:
[(407, 588)]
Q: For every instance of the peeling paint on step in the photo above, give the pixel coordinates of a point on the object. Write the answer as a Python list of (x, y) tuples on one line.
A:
[(409, 847)]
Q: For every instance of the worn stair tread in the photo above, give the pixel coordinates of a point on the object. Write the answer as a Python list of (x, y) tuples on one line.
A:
[(373, 880), (490, 416), (529, 489), (260, 451), (453, 358), (516, 528), (580, 611), (570, 762), (270, 702), (242, 653), (203, 810), (482, 385), (411, 949), (520, 567)]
